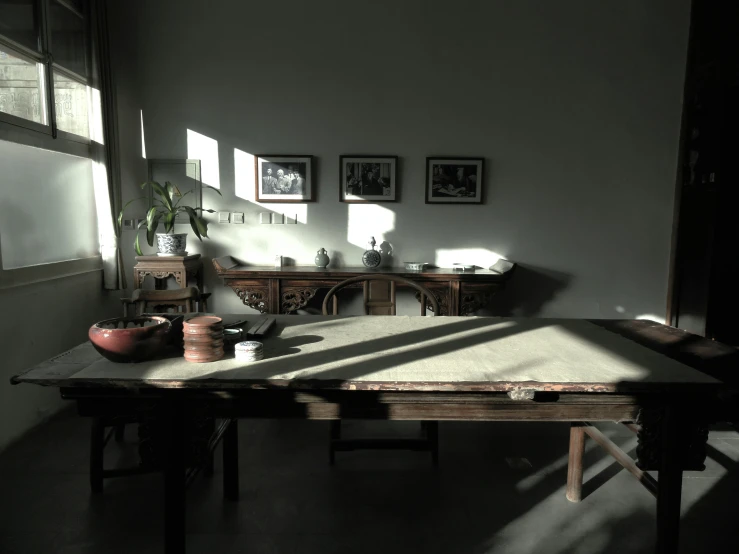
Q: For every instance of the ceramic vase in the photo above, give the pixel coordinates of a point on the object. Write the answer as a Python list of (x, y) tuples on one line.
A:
[(322, 258), (171, 245)]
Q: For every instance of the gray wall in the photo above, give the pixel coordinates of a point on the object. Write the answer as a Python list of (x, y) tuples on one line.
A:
[(42, 320), (47, 213), (574, 104)]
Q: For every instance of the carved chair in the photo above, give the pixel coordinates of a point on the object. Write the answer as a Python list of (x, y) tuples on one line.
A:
[(145, 301), (188, 299), (379, 300), (160, 301)]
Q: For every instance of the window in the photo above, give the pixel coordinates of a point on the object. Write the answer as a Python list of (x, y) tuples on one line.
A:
[(50, 111), (46, 69), (22, 87)]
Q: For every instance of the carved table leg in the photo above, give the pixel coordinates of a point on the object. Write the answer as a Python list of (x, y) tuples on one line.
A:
[(173, 429), (473, 301), (669, 488), (231, 461), (574, 465), (442, 297), (295, 298), (256, 297), (670, 444)]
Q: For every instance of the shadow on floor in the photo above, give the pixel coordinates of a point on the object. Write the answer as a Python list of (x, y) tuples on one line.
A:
[(499, 489)]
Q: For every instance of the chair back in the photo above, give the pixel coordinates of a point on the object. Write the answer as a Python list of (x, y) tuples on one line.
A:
[(160, 301), (389, 303)]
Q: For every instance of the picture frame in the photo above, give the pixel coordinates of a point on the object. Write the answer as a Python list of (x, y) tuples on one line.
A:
[(368, 179), (454, 180), (284, 178)]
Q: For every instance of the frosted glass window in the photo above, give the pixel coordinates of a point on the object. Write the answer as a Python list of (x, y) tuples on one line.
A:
[(21, 87), (72, 104), (47, 207)]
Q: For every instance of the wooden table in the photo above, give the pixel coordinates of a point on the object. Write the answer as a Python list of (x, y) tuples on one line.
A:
[(182, 268), (282, 291), (424, 368)]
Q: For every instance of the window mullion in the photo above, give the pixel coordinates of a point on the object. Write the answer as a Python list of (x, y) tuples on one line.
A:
[(45, 35)]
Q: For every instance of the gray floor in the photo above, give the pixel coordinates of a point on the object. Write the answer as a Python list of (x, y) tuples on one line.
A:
[(500, 489)]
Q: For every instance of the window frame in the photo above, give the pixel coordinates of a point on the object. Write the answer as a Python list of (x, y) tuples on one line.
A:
[(49, 136)]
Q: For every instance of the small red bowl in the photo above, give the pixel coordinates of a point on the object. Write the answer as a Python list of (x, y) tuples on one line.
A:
[(130, 339)]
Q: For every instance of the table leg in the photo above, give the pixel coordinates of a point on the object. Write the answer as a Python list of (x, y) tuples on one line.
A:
[(574, 464), (174, 477), (231, 461), (669, 487), (97, 447)]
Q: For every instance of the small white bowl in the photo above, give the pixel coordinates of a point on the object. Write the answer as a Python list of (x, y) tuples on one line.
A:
[(415, 266)]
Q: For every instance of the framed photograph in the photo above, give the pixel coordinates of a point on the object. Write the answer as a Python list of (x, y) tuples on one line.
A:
[(368, 178), (454, 180), (284, 178)]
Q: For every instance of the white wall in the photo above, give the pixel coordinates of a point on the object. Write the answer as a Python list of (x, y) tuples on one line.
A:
[(574, 104)]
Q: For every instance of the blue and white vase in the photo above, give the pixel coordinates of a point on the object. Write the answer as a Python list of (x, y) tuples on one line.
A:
[(171, 245)]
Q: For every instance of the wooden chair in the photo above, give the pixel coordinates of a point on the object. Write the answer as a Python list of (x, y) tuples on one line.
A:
[(160, 301), (145, 301), (188, 299), (379, 300)]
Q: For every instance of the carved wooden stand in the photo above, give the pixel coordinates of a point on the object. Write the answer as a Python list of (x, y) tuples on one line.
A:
[(182, 268)]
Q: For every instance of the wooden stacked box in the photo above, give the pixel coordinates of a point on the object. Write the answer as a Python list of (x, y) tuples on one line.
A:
[(203, 338)]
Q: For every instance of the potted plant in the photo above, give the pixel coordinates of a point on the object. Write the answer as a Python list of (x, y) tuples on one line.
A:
[(166, 207)]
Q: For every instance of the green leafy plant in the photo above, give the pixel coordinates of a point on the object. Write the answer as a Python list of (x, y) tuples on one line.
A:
[(166, 207)]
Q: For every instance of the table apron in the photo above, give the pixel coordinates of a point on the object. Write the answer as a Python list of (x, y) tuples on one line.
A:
[(363, 405)]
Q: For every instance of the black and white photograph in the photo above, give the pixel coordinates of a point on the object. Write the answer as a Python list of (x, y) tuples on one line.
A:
[(454, 180), (368, 178), (284, 178)]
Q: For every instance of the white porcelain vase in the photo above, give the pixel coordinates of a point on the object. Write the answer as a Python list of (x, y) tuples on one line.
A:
[(171, 245)]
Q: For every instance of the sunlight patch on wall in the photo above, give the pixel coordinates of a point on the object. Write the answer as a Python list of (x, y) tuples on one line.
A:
[(106, 228), (244, 187), (481, 257), (143, 138), (244, 174), (96, 115), (205, 149), (369, 220)]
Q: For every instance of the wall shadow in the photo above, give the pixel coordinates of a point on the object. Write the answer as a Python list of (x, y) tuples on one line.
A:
[(528, 292)]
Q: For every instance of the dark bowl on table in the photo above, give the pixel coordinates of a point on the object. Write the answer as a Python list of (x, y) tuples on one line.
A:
[(174, 338), (130, 339)]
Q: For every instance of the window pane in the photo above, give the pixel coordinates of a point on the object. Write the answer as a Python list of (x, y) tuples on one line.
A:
[(21, 88), (47, 206), (18, 22), (69, 36), (72, 105)]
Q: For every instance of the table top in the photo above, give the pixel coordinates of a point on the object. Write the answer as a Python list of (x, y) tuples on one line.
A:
[(401, 353), (229, 267)]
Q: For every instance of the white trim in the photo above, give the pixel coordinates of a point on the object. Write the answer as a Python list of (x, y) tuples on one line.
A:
[(22, 276)]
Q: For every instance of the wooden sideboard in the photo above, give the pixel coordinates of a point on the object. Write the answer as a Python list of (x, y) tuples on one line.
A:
[(283, 291)]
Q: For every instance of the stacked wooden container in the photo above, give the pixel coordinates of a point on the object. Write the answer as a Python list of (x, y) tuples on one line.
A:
[(203, 338)]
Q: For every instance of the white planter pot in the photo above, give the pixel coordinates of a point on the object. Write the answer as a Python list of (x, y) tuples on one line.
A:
[(171, 245)]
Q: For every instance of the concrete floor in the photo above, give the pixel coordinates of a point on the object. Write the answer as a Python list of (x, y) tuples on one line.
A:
[(499, 489)]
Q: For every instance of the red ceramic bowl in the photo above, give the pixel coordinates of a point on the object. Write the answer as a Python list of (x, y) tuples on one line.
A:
[(130, 339)]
